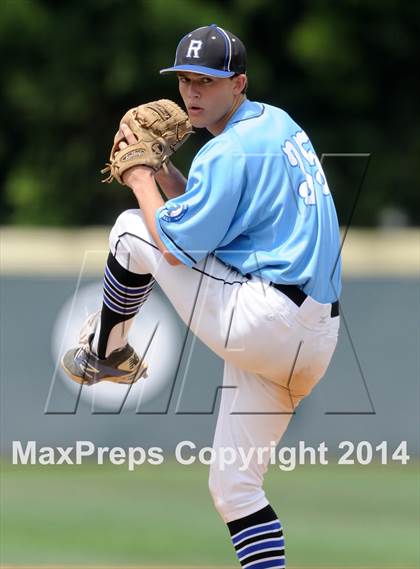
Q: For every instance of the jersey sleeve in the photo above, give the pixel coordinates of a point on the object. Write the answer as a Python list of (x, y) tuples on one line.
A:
[(194, 224)]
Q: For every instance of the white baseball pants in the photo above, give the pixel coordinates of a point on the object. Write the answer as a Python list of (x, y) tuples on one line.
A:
[(274, 351)]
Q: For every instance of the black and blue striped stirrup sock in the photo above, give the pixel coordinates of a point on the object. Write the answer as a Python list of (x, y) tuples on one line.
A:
[(124, 293), (258, 540)]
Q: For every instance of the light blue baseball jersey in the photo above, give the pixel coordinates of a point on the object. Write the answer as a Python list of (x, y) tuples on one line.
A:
[(257, 198)]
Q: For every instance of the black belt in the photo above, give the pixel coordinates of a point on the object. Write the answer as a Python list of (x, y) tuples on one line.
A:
[(298, 296)]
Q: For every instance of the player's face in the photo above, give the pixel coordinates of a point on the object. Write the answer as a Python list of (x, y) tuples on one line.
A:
[(209, 100)]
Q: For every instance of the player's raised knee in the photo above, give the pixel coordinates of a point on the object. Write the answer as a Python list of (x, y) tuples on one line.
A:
[(129, 221), (128, 218)]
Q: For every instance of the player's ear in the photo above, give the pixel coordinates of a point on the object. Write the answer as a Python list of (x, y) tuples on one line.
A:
[(241, 83)]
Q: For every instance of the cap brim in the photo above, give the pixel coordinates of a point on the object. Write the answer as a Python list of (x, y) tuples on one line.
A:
[(199, 69)]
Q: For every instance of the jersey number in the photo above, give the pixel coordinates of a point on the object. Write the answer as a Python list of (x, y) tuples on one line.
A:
[(298, 156)]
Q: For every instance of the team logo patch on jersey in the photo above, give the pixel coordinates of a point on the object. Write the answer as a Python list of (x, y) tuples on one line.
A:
[(174, 213)]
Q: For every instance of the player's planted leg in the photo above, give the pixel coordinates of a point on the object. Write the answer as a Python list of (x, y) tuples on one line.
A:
[(104, 353)]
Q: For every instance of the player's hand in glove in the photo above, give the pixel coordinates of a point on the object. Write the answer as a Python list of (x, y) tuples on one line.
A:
[(159, 127)]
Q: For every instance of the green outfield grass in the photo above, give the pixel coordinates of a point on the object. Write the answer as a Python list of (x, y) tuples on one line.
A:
[(162, 515)]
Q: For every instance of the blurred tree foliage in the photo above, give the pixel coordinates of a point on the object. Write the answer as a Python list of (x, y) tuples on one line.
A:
[(346, 71)]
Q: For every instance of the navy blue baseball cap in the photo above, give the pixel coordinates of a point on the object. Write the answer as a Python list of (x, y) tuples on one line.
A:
[(210, 50)]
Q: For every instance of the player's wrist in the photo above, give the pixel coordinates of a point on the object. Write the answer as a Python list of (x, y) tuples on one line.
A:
[(138, 176)]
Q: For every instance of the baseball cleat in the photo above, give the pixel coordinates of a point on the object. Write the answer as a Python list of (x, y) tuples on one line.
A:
[(84, 367)]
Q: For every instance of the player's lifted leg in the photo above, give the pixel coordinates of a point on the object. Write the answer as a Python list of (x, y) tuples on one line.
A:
[(103, 353)]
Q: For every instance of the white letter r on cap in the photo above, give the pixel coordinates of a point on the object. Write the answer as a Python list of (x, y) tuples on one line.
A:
[(194, 47)]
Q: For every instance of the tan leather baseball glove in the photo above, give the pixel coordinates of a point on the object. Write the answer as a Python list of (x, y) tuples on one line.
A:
[(160, 127)]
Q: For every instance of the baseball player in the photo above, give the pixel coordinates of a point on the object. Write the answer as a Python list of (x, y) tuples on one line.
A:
[(247, 250)]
